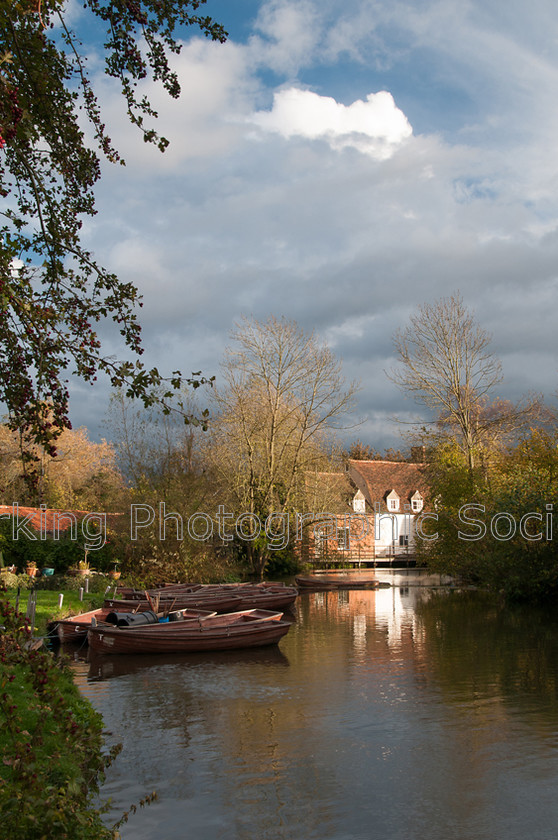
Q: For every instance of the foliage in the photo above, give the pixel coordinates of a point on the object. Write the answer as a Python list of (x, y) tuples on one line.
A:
[(359, 451), (82, 476), (57, 554), (283, 563), (52, 759), (162, 461), (9, 579), (53, 293), (97, 584), (202, 567), (505, 542)]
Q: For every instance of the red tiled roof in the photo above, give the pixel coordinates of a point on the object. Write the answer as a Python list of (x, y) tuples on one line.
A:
[(378, 478), (44, 520)]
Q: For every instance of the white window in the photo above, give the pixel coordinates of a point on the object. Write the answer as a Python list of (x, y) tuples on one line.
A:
[(416, 502), (359, 505), (392, 501), (343, 538)]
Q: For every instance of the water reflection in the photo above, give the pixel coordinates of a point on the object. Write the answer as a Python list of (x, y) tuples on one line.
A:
[(105, 667), (400, 713), (483, 652)]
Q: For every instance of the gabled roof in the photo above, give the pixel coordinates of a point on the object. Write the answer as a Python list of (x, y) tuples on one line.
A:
[(376, 479)]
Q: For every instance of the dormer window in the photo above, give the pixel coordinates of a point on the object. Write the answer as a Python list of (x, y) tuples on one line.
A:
[(359, 502), (417, 502), (392, 500)]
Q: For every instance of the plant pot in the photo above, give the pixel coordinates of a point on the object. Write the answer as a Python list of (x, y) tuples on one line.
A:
[(115, 575), (31, 571), (47, 572)]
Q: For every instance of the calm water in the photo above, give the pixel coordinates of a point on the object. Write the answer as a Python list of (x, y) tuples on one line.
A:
[(404, 713)]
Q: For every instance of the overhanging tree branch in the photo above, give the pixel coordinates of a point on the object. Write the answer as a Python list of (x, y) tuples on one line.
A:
[(47, 176)]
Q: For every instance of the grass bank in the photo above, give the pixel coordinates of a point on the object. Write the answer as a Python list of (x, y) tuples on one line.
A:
[(47, 607), (51, 739), (53, 758)]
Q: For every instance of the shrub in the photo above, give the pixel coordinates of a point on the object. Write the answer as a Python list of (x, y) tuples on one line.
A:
[(52, 761), (9, 580)]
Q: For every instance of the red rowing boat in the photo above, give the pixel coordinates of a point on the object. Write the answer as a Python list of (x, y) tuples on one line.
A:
[(245, 629), (74, 628)]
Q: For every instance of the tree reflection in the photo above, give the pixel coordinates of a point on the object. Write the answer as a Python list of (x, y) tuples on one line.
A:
[(479, 648)]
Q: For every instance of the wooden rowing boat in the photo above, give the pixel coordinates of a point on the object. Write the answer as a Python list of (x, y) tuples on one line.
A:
[(232, 631), (337, 579), (220, 602), (220, 597), (75, 628), (267, 598)]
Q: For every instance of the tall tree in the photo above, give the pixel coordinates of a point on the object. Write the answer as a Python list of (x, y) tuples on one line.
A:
[(53, 293), (161, 459), (283, 394), (84, 474), (446, 364), (501, 535)]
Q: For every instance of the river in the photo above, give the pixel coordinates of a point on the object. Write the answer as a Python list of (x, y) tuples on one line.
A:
[(406, 713)]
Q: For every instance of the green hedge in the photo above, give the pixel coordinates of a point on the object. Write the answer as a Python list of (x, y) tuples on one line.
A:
[(59, 554)]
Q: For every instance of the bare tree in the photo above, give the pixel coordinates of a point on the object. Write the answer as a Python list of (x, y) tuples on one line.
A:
[(162, 460), (282, 395), (447, 366)]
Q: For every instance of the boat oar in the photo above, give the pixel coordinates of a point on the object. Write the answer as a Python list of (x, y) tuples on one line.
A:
[(165, 614)]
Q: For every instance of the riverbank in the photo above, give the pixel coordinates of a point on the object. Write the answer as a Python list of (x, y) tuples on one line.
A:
[(53, 757), (47, 605)]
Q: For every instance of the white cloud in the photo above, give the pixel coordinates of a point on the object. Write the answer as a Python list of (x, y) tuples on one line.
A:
[(375, 127), (221, 225), (204, 123), (291, 34)]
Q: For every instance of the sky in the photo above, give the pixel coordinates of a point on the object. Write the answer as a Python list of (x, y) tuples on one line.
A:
[(339, 164)]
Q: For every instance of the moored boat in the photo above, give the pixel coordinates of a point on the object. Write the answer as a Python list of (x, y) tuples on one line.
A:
[(226, 597), (272, 598), (338, 579), (220, 602), (244, 629), (75, 628)]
